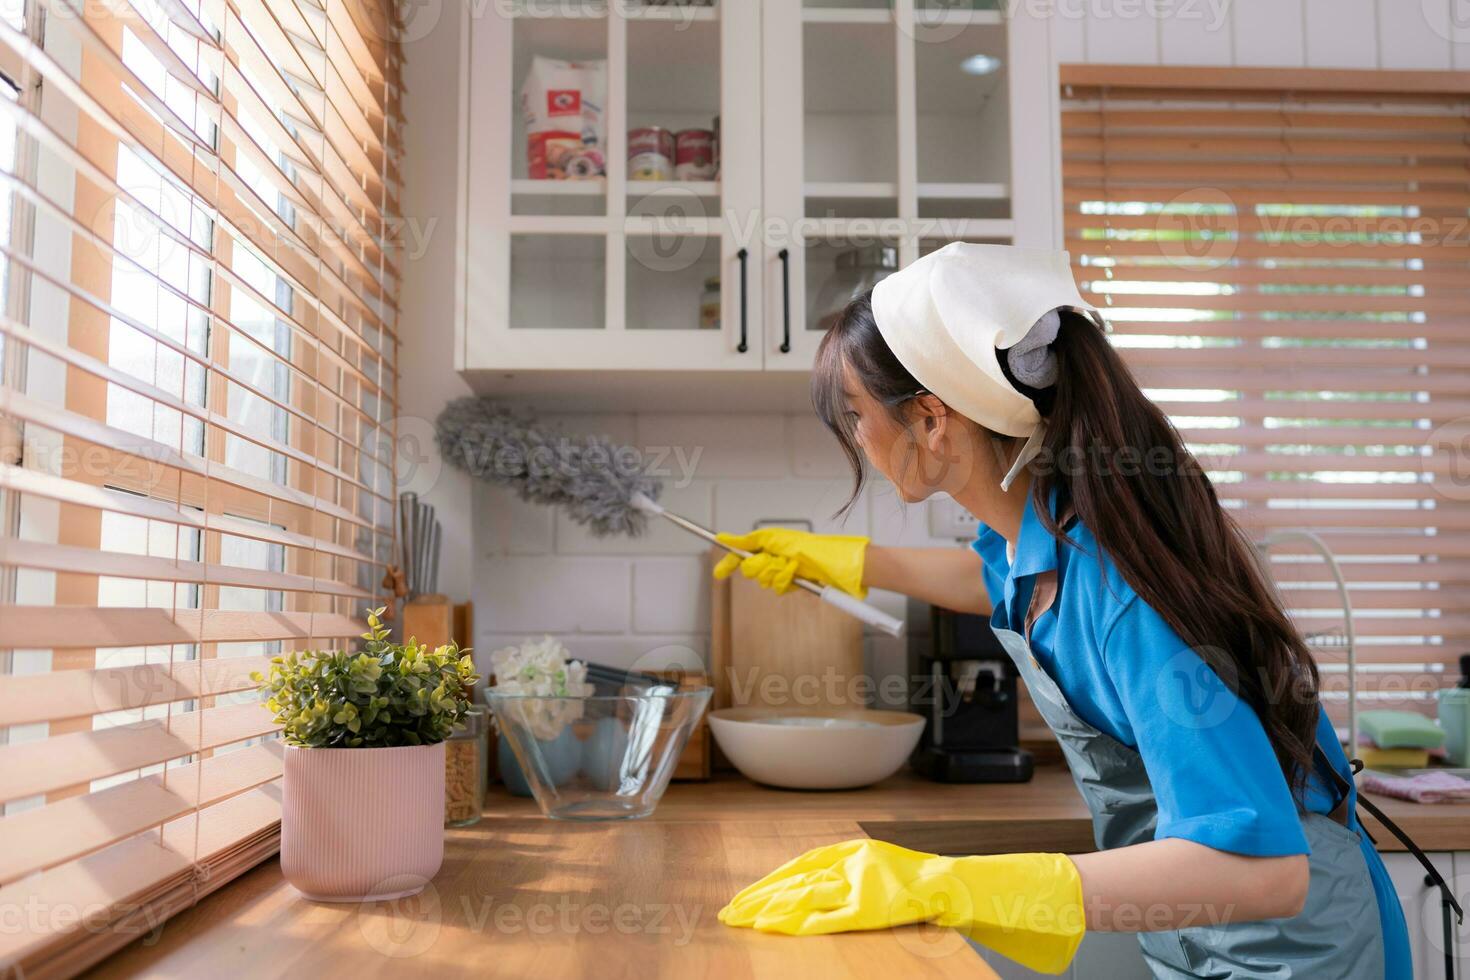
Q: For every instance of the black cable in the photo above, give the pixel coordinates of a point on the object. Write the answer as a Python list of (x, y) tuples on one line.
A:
[(1449, 941), (1432, 877)]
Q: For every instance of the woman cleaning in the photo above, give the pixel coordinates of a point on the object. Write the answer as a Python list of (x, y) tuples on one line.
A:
[(1150, 640)]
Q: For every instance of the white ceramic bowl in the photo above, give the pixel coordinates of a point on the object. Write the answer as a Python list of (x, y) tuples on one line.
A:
[(822, 748)]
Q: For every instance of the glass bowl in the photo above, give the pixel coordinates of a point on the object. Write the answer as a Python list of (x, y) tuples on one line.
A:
[(604, 757)]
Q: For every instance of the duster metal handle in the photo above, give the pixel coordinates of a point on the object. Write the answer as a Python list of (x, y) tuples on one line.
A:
[(830, 594)]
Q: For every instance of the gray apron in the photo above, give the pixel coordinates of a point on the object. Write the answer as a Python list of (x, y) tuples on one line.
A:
[(1337, 934)]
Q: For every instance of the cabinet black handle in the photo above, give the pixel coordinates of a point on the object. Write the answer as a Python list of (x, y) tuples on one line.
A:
[(785, 255), (744, 345)]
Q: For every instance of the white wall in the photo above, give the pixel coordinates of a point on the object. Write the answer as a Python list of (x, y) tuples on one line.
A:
[(1394, 34), (426, 325)]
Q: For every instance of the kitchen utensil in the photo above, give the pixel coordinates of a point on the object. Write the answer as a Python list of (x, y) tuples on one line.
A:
[(407, 512), (423, 525), (419, 535), (816, 748), (604, 757), (599, 484), (612, 680)]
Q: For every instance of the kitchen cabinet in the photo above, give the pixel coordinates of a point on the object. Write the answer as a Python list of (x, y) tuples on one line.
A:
[(844, 126), (1423, 912)]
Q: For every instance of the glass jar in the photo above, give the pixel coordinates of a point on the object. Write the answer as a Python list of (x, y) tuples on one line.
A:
[(709, 304), (467, 769), (854, 272)]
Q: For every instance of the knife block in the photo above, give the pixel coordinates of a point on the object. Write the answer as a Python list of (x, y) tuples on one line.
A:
[(434, 621)]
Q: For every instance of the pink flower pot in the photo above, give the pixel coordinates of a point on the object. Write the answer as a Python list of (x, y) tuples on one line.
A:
[(362, 824)]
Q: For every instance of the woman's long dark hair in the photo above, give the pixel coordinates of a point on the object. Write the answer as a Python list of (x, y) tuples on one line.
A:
[(1116, 460)]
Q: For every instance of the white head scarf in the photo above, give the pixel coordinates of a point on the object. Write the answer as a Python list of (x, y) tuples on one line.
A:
[(947, 316)]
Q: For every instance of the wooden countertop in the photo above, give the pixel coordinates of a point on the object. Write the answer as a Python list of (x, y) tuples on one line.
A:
[(1045, 814), (523, 896)]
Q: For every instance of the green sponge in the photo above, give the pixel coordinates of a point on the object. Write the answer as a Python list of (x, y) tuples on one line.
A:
[(1400, 730)]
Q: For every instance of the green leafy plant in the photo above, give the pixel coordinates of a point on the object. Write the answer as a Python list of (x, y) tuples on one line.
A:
[(390, 694)]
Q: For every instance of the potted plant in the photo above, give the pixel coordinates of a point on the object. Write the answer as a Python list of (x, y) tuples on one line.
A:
[(362, 815)]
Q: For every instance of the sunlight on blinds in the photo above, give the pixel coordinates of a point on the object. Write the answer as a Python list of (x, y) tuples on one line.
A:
[(198, 382), (1288, 273)]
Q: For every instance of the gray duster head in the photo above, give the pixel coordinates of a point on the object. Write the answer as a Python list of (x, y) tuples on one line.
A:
[(591, 477)]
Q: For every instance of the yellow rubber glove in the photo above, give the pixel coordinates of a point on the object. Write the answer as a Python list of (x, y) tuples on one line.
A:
[(1024, 906), (782, 555)]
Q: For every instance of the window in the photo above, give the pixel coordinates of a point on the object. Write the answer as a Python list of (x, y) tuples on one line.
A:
[(198, 343), (1284, 257)]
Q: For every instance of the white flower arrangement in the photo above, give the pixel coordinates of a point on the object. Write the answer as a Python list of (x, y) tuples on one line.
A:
[(541, 668)]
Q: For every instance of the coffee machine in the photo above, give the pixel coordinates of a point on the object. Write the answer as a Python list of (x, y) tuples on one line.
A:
[(962, 680)]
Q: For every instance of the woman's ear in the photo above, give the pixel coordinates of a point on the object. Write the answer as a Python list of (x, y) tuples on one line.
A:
[(935, 416)]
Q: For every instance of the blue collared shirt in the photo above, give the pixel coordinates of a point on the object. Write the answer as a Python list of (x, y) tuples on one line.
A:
[(1127, 673)]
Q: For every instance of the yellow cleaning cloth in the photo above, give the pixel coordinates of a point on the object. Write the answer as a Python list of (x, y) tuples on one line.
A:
[(1024, 906)]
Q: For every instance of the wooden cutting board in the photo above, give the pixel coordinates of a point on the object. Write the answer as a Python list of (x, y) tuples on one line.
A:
[(791, 650)]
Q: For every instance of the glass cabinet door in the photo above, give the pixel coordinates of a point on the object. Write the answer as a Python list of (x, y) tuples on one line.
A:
[(887, 132), (596, 233)]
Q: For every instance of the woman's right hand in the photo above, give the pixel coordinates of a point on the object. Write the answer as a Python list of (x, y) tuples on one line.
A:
[(780, 555)]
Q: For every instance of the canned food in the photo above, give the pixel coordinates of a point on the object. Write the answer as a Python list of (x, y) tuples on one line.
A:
[(650, 154), (709, 304), (694, 154), (717, 147)]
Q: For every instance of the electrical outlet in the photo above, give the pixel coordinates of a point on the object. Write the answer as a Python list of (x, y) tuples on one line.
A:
[(947, 519)]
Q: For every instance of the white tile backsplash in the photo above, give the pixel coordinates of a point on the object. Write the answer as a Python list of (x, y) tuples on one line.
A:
[(740, 505), (814, 452), (507, 525), (894, 523), (713, 446), (553, 594), (619, 600), (670, 595)]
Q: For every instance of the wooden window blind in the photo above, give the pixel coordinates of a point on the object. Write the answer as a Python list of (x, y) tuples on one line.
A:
[(1284, 258), (198, 382)]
